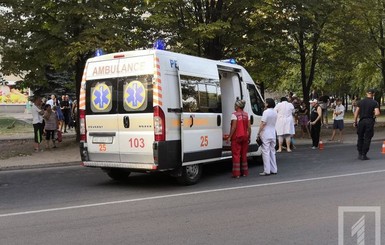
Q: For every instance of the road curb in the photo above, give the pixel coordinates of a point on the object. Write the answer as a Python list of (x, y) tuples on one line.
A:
[(45, 165)]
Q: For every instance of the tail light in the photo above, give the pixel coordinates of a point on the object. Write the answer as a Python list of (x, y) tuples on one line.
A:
[(82, 124), (159, 124)]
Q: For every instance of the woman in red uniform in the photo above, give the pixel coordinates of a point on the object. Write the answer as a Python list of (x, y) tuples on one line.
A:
[(240, 138)]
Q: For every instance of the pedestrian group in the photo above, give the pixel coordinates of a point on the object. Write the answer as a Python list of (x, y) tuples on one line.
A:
[(279, 120), (50, 117)]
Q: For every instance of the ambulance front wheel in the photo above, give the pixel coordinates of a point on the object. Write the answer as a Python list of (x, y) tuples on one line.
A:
[(190, 174), (117, 174)]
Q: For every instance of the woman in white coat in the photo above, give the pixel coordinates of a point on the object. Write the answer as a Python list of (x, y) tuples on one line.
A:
[(285, 123), (267, 134)]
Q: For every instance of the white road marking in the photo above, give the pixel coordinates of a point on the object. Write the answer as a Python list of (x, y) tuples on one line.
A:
[(188, 193)]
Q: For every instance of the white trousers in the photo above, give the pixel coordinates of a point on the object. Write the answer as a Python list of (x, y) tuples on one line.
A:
[(268, 156)]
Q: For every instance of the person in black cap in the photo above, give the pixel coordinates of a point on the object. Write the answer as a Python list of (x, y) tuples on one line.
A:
[(366, 110)]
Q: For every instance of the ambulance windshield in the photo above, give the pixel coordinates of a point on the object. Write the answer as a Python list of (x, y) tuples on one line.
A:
[(257, 104)]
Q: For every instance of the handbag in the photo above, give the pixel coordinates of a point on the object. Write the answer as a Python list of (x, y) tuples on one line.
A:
[(59, 136), (259, 141)]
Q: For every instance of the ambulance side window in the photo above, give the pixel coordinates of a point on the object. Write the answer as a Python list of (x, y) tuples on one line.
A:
[(200, 94), (256, 102)]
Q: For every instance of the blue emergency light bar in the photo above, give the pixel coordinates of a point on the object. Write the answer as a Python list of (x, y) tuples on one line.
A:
[(99, 52), (159, 44), (231, 61)]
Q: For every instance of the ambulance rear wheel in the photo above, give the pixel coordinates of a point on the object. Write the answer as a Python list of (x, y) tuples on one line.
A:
[(117, 174), (190, 174)]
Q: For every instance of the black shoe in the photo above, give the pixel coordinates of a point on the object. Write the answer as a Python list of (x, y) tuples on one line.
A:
[(364, 157), (360, 157)]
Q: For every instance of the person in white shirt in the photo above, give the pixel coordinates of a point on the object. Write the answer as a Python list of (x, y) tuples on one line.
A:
[(267, 134), (37, 121), (338, 120), (285, 123), (53, 101)]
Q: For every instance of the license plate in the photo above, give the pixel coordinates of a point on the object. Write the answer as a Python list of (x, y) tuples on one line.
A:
[(102, 140)]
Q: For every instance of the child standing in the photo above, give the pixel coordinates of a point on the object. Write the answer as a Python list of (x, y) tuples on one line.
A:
[(51, 125)]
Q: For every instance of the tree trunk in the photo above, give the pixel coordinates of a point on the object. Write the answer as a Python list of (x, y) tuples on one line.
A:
[(79, 69), (382, 48)]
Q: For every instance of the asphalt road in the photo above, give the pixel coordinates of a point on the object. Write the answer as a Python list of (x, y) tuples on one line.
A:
[(76, 205)]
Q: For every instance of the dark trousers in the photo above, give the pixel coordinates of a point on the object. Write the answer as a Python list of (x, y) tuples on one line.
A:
[(315, 131), (67, 117), (38, 132), (365, 132)]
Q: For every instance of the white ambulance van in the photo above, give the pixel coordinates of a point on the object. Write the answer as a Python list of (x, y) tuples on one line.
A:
[(155, 110)]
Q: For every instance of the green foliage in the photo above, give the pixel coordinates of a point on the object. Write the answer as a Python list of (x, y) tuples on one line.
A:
[(59, 36), (293, 34), (334, 46), (211, 29)]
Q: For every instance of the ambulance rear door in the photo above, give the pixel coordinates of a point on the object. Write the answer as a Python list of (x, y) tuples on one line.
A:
[(135, 110), (101, 119), (136, 119)]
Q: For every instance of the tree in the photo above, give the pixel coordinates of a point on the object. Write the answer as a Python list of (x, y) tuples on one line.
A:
[(368, 19), (211, 29), (265, 51), (355, 47), (300, 28), (41, 39)]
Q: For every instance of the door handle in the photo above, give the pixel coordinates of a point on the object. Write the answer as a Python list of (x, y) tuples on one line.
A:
[(219, 120), (126, 121), (192, 120)]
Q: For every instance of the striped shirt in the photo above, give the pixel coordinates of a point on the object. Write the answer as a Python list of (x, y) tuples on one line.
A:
[(51, 123)]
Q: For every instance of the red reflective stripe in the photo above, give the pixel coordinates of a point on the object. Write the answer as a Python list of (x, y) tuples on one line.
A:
[(118, 56)]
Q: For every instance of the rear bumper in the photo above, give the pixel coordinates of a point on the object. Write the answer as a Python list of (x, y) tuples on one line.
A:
[(166, 155), (138, 166)]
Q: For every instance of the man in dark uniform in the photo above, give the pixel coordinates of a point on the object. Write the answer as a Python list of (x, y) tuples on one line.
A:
[(366, 110)]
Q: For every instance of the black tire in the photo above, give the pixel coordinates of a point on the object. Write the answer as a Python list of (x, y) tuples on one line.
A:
[(117, 173), (190, 174)]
